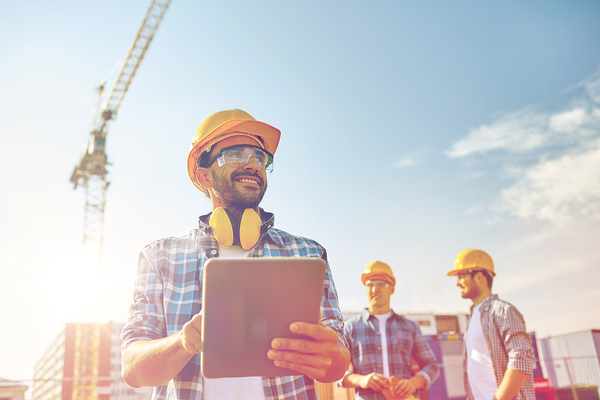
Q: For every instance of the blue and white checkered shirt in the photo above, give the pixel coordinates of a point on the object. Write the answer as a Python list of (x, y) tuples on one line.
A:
[(167, 294), (404, 342)]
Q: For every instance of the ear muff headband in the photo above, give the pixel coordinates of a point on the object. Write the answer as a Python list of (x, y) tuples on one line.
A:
[(228, 231)]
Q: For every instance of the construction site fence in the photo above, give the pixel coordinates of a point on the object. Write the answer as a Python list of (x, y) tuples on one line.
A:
[(575, 372)]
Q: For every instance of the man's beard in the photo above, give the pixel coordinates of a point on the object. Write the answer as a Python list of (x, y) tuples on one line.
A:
[(224, 188), (471, 293)]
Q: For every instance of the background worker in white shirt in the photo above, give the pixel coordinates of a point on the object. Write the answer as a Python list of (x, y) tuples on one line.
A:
[(498, 356)]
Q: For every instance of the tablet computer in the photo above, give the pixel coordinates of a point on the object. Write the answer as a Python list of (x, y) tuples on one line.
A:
[(247, 302)]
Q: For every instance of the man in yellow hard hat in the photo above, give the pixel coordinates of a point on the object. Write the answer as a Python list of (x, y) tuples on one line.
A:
[(230, 156), (383, 344), (498, 357)]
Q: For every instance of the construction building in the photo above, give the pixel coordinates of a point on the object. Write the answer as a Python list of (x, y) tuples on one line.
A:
[(84, 363), (10, 390)]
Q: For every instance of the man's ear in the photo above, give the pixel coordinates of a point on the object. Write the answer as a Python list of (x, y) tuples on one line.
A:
[(203, 177), (479, 278)]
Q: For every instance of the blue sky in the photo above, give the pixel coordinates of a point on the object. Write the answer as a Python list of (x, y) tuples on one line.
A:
[(410, 131)]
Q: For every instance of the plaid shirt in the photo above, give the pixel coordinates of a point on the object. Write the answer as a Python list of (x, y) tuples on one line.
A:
[(404, 342), (508, 342), (167, 294)]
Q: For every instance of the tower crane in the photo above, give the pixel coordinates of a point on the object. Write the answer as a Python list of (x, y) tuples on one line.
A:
[(90, 173)]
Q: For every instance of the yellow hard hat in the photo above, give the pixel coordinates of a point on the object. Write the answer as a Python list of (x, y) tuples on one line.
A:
[(378, 270), (472, 260), (228, 123)]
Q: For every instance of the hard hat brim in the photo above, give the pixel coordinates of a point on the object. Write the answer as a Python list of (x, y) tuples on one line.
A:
[(377, 276), (455, 272)]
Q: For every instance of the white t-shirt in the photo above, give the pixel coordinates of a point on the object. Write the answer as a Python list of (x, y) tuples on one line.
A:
[(480, 369), (384, 351), (247, 388)]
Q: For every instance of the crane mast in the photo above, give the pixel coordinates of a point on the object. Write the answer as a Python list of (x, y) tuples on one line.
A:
[(91, 174)]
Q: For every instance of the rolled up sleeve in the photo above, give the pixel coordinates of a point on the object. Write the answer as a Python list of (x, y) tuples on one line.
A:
[(146, 314), (517, 342), (425, 358)]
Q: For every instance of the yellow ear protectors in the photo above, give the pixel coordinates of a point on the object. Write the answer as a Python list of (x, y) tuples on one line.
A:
[(229, 231), (249, 229)]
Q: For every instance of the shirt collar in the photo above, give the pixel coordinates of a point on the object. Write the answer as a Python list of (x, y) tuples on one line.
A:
[(365, 315), (486, 303)]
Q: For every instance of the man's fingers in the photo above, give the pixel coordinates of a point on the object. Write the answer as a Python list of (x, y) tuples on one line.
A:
[(311, 365), (310, 357), (295, 358), (318, 332), (404, 388), (377, 382), (324, 343), (311, 372), (304, 346), (376, 386)]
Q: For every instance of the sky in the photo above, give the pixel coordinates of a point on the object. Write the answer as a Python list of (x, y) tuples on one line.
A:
[(411, 131)]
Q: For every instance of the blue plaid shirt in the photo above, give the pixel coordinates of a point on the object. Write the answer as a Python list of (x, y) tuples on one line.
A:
[(404, 342), (167, 294)]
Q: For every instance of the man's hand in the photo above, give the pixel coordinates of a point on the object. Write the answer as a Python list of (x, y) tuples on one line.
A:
[(389, 391), (308, 357), (511, 384), (191, 334), (374, 381), (155, 362), (404, 388)]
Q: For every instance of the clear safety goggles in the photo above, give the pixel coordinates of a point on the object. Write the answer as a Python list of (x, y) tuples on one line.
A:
[(378, 284), (240, 156)]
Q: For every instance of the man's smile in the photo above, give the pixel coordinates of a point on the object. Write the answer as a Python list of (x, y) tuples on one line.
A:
[(247, 179)]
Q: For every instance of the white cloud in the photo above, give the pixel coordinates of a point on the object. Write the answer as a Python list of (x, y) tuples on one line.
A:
[(592, 87), (475, 209), (564, 182), (412, 159), (405, 162), (576, 122), (518, 131), (556, 189), (528, 129), (568, 120)]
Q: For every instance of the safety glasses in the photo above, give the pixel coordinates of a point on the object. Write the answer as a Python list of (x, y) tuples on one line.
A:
[(240, 156), (378, 284)]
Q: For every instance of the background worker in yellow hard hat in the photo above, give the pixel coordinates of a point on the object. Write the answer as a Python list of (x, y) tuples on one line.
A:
[(383, 344), (498, 357), (229, 159)]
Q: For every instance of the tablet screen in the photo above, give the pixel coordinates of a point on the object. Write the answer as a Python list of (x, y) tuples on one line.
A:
[(247, 302)]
